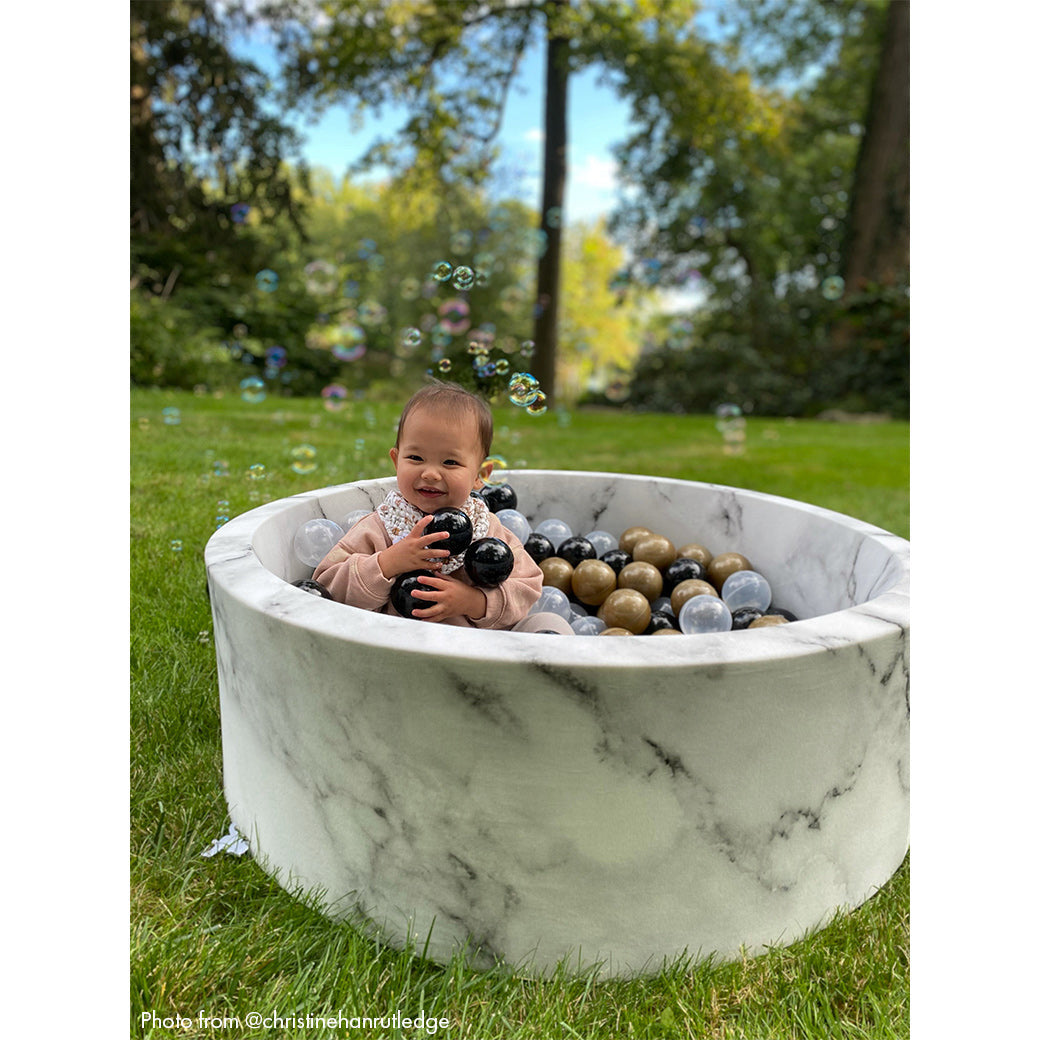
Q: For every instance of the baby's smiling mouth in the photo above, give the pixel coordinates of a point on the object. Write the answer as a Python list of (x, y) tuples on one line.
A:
[(430, 492)]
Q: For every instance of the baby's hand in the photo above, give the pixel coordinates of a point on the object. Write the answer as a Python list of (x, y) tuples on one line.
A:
[(448, 597), (414, 552)]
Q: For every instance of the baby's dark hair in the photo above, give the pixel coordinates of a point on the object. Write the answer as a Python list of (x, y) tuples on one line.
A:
[(457, 401)]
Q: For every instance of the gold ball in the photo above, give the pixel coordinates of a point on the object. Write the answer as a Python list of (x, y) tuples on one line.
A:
[(693, 551), (628, 539), (687, 590), (768, 621), (655, 549), (667, 632), (626, 608), (643, 577), (725, 564), (592, 581), (616, 632), (556, 571)]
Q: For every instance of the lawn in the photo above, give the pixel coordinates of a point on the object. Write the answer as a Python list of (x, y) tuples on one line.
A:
[(214, 939)]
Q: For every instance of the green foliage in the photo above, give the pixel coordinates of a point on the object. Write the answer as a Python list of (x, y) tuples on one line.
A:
[(795, 368)]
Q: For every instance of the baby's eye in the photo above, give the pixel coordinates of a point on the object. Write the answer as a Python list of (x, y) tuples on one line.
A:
[(414, 458)]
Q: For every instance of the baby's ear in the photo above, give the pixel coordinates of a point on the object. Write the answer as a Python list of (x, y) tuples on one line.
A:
[(483, 473), (393, 457)]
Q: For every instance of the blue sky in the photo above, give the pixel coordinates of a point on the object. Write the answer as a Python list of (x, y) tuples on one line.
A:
[(598, 118)]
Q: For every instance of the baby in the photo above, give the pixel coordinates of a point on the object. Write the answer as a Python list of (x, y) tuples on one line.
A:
[(443, 439)]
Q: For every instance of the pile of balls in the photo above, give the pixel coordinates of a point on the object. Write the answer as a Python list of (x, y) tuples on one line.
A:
[(487, 561), (639, 583)]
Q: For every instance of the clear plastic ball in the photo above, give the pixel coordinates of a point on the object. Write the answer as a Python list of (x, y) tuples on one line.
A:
[(556, 530), (554, 600), (602, 542), (588, 626), (515, 521), (353, 517), (746, 589), (702, 614), (314, 538)]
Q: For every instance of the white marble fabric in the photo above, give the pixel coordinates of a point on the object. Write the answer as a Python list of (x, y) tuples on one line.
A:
[(532, 797)]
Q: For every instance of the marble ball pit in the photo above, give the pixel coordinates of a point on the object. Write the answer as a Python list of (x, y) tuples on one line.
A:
[(529, 798)]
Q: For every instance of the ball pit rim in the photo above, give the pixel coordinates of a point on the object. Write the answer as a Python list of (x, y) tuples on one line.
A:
[(239, 572)]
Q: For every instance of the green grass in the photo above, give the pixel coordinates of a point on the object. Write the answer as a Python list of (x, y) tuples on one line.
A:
[(219, 936)]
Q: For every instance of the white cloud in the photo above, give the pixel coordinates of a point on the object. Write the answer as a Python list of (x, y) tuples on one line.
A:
[(595, 173)]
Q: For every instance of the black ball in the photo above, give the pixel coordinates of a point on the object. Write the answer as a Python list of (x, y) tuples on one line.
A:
[(617, 559), (458, 526), (682, 569), (498, 496), (576, 549), (488, 562), (539, 547), (659, 619), (315, 588), (780, 610), (743, 616), (401, 598)]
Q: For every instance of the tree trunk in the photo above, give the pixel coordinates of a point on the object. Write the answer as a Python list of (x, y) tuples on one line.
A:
[(878, 240), (554, 178)]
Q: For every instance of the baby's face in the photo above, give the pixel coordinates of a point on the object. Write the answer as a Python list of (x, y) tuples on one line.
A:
[(438, 461)]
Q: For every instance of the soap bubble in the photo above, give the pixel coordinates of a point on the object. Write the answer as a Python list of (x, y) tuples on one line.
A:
[(602, 542), (176, 545), (463, 278), (371, 312), (441, 271), (342, 352), (730, 422), (258, 471), (461, 242), (253, 389), (527, 349), (444, 365), (239, 212), (539, 406), (454, 315), (334, 396), (556, 530), (746, 589), (171, 416), (304, 459), (267, 280), (353, 517), (314, 538), (702, 614), (320, 277), (833, 287), (554, 600), (276, 357), (523, 389), (411, 337), (496, 475), (515, 521)]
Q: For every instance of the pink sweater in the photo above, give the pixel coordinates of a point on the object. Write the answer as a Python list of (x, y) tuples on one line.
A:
[(351, 573)]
